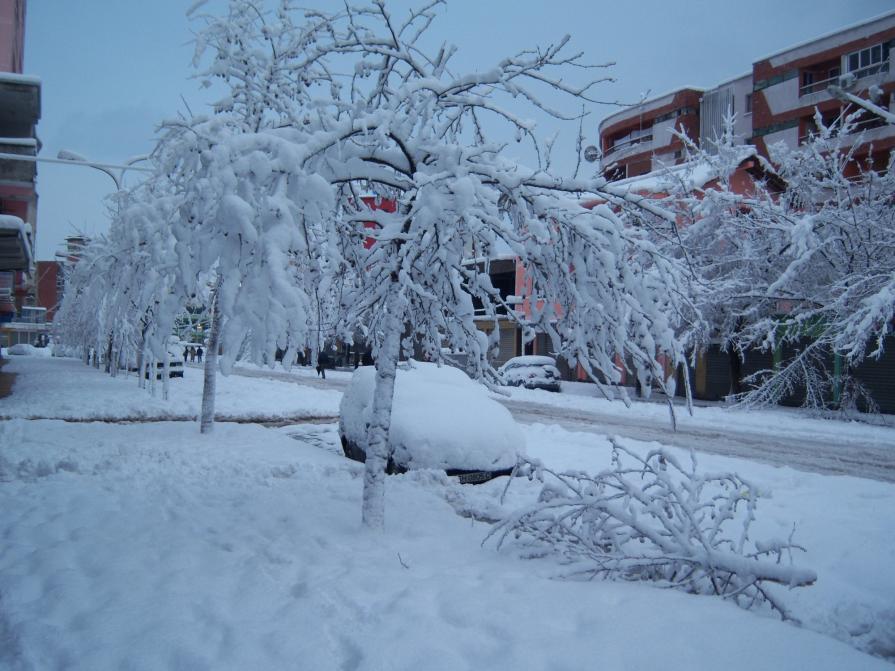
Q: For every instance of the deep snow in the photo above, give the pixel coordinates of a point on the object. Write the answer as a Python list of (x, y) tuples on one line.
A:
[(150, 546)]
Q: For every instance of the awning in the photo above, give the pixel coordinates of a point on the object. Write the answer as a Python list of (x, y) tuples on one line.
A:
[(15, 244)]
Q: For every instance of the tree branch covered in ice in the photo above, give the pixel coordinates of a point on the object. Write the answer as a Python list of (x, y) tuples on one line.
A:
[(655, 518)]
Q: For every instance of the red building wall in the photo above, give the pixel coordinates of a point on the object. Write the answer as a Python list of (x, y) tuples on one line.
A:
[(12, 35)]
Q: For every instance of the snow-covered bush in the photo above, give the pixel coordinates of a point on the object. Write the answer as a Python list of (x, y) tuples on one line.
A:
[(654, 518)]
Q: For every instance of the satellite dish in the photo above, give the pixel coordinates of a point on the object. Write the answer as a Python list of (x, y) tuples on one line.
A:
[(591, 153)]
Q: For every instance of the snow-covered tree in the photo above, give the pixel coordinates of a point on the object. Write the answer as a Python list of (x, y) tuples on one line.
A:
[(249, 234), (121, 298), (805, 260), (81, 317), (359, 101)]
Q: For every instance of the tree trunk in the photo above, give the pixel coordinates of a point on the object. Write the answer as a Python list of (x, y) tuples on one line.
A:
[(109, 355), (373, 512), (165, 375), (211, 364), (141, 358), (141, 353), (153, 372), (314, 353), (736, 370), (143, 373)]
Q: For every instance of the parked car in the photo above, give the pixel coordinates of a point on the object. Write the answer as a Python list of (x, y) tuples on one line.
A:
[(531, 372), (175, 364), (441, 419)]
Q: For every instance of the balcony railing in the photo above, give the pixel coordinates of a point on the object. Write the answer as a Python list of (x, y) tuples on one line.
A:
[(870, 70), (630, 142), (818, 86), (856, 129)]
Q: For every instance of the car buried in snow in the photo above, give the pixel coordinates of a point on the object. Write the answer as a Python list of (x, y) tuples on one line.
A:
[(441, 419), (531, 372), (175, 365)]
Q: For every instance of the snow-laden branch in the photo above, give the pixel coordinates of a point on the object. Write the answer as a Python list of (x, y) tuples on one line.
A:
[(655, 518)]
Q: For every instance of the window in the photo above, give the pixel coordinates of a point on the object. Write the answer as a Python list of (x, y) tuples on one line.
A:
[(748, 103), (807, 79), (868, 61)]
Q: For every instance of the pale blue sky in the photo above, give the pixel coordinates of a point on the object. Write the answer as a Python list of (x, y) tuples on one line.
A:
[(111, 70)]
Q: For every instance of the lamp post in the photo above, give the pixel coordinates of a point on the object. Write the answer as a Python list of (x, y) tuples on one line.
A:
[(67, 156), (105, 167)]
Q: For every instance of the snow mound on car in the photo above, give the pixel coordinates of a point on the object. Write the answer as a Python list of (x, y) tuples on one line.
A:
[(23, 349), (530, 360), (440, 419)]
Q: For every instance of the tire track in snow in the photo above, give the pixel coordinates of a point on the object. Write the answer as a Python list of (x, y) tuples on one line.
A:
[(817, 456)]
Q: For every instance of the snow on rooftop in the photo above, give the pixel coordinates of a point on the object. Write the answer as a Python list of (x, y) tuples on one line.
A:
[(19, 141), (731, 80), (694, 174), (825, 36), (9, 222), (649, 101)]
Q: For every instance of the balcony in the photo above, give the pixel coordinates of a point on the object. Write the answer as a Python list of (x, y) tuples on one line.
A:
[(23, 172), (868, 130), (15, 244), (629, 145), (820, 86), (19, 104)]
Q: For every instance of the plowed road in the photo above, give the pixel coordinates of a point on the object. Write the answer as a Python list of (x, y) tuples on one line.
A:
[(815, 453)]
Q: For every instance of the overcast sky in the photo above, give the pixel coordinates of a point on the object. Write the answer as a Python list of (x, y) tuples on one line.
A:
[(111, 70)]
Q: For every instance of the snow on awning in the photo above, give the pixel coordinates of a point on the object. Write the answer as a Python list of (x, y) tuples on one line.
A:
[(19, 141), (16, 78), (15, 244)]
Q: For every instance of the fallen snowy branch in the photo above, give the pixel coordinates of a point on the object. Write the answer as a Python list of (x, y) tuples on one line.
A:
[(651, 518)]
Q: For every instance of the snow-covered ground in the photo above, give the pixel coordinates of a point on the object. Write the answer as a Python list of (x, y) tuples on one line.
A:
[(149, 546), (68, 389)]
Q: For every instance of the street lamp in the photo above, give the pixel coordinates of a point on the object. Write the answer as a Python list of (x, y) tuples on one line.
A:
[(68, 156), (105, 167)]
